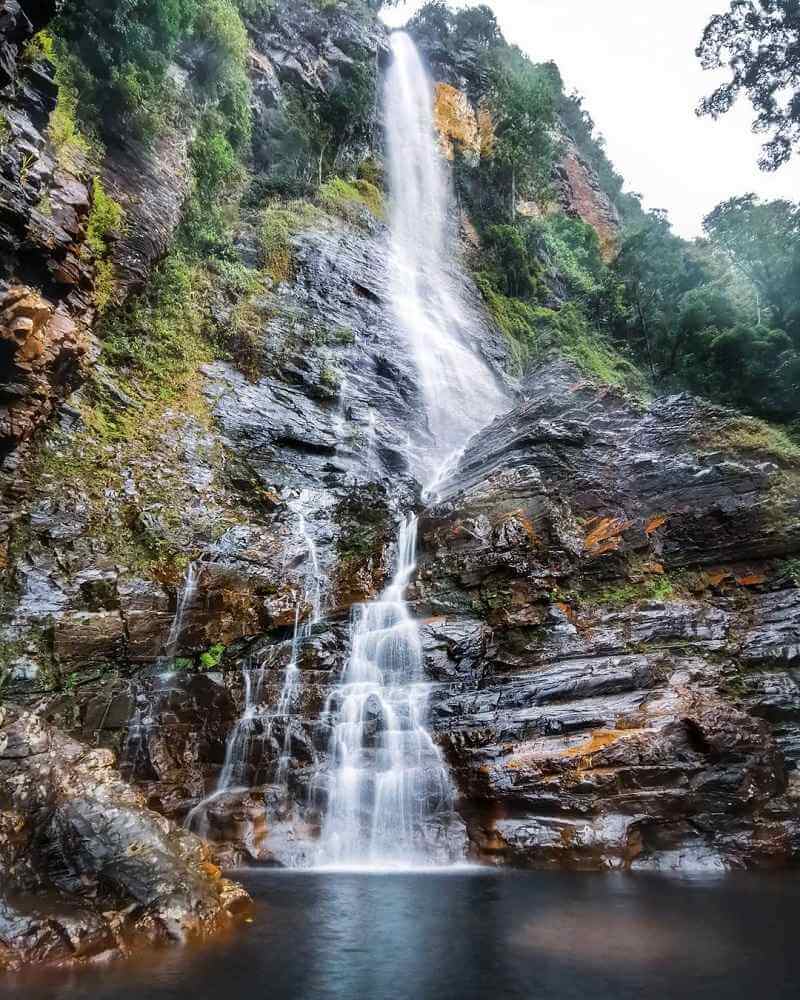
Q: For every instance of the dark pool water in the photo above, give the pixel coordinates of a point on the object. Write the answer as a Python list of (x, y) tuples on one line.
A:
[(458, 936)]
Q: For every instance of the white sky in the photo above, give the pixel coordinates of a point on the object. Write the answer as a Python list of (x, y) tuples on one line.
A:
[(634, 62)]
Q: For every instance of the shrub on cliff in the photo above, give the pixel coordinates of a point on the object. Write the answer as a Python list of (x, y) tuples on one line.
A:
[(117, 56)]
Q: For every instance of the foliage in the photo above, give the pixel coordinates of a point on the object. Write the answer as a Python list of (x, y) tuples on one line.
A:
[(346, 111), (759, 42), (748, 434), (106, 219), (154, 341), (117, 57), (212, 657), (279, 222), (523, 116), (349, 199), (475, 26), (792, 569), (762, 240), (533, 332), (720, 316)]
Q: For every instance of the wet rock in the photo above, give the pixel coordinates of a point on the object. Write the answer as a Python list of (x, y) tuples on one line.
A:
[(116, 873), (84, 639)]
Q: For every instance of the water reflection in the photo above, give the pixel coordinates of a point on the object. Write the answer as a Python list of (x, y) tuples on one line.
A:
[(461, 935)]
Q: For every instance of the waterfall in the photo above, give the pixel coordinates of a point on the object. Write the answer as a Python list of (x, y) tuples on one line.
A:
[(389, 798), (389, 788), (185, 599), (256, 721), (459, 392)]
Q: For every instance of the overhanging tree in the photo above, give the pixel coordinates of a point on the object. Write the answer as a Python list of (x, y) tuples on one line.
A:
[(759, 42)]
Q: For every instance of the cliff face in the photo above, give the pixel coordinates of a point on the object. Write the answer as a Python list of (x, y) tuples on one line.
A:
[(614, 634), (607, 590)]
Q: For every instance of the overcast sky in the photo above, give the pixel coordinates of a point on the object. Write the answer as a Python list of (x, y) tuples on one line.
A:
[(634, 62)]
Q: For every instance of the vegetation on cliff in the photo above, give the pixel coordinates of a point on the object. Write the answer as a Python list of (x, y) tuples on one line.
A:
[(718, 315)]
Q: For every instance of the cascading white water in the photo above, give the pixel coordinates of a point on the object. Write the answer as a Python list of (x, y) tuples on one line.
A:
[(460, 393), (256, 721), (388, 781), (185, 599), (389, 795)]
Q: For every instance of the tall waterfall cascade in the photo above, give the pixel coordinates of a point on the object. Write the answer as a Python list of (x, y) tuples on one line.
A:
[(389, 795), (382, 792)]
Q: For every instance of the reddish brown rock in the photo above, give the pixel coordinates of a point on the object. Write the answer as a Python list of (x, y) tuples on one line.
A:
[(43, 353)]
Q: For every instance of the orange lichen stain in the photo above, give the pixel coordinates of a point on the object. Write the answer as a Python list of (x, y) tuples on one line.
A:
[(653, 569), (755, 580), (605, 534), (600, 740), (570, 612), (655, 523), (521, 517), (717, 576), (455, 121)]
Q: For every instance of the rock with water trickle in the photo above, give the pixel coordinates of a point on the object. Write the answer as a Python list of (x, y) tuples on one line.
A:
[(88, 871)]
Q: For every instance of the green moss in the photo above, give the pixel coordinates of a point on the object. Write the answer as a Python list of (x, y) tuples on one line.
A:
[(155, 341), (280, 221), (749, 434), (73, 145), (792, 569), (348, 199), (533, 332), (659, 588)]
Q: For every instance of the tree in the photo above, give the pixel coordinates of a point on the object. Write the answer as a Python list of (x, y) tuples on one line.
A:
[(435, 20), (656, 272), (759, 41), (762, 240), (524, 118), (477, 25)]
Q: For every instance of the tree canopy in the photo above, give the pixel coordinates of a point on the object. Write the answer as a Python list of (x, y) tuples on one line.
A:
[(759, 42)]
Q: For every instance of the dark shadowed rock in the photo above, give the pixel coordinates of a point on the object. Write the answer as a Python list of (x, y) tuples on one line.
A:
[(115, 873)]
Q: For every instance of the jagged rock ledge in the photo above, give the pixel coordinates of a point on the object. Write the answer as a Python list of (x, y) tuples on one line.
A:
[(88, 872)]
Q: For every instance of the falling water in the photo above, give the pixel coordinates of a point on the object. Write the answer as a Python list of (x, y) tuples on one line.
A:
[(459, 391), (256, 721), (185, 600), (389, 784), (389, 795)]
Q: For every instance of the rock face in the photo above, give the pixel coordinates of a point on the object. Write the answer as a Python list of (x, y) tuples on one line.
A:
[(612, 639), (45, 202), (614, 649), (87, 870), (41, 349), (299, 49), (580, 193), (464, 121)]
